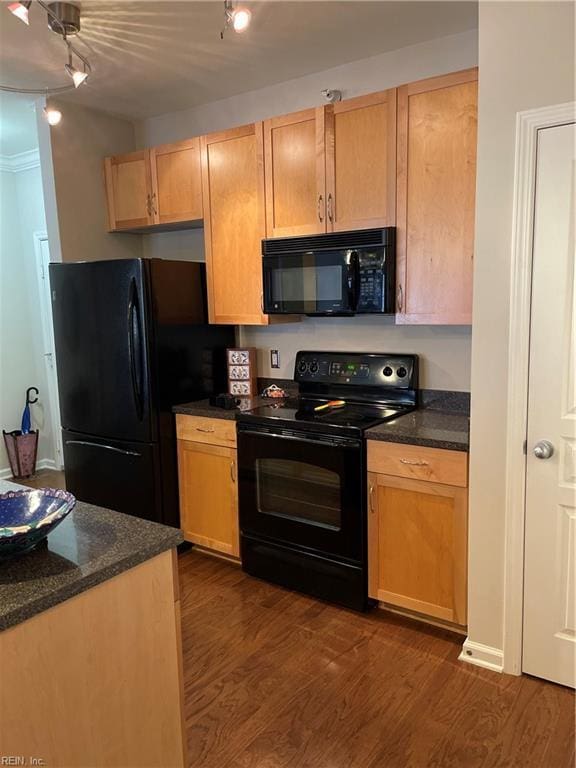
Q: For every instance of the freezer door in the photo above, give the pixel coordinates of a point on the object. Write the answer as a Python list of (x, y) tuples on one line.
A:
[(102, 348), (117, 475)]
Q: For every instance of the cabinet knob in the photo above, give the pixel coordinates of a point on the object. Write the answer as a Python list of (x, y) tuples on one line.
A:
[(320, 208), (233, 471), (330, 208), (371, 497)]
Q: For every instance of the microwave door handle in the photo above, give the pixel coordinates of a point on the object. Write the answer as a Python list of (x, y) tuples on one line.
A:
[(354, 281)]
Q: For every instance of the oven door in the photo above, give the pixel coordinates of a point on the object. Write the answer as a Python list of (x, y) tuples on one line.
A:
[(302, 490), (311, 283)]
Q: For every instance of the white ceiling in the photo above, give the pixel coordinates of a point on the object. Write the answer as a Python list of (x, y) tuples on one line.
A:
[(155, 57)]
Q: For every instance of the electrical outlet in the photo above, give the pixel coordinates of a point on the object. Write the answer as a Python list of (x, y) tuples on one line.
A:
[(274, 358)]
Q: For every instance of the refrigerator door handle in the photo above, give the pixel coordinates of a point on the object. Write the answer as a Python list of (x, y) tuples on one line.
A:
[(102, 445), (135, 348)]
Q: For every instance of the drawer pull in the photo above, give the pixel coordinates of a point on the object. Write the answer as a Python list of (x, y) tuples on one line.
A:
[(205, 429), (372, 497), (233, 471), (414, 462)]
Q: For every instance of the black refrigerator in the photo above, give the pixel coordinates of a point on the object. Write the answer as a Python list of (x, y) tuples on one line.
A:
[(132, 340)]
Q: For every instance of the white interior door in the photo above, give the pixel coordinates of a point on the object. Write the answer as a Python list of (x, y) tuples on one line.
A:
[(549, 644), (43, 260)]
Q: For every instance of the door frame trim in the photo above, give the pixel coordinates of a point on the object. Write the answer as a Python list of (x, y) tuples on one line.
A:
[(528, 124)]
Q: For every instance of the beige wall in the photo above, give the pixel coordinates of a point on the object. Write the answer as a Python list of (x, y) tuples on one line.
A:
[(526, 60), (445, 351), (78, 145)]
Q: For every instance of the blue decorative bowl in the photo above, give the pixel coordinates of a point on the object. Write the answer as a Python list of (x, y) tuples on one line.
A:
[(27, 517)]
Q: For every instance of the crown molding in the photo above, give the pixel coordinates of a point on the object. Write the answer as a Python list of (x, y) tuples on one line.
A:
[(23, 161)]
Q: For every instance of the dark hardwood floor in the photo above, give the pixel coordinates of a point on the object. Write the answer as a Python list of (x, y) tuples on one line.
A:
[(44, 478), (274, 679)]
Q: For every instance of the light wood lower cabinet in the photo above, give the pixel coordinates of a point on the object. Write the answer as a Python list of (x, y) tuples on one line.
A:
[(417, 537), (97, 680), (207, 476)]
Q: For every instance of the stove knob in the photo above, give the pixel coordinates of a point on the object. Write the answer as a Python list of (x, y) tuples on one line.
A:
[(401, 372), (387, 371), (302, 366), (314, 367)]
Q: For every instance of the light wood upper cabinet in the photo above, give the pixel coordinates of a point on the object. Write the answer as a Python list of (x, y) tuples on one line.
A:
[(361, 162), (128, 190), (295, 174), (436, 181), (234, 224), (176, 182)]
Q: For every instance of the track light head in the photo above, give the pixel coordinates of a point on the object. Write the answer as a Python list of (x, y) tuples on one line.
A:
[(53, 116), (241, 18), (78, 77), (331, 95), (237, 18), (20, 10)]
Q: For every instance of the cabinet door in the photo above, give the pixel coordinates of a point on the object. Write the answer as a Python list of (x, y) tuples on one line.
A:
[(417, 534), (233, 195), (361, 162), (436, 194), (128, 191), (208, 496), (176, 182), (295, 174)]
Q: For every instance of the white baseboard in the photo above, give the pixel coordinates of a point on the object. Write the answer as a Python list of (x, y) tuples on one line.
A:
[(482, 656), (6, 473)]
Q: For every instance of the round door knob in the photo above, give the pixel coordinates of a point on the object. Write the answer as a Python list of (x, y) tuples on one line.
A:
[(543, 449)]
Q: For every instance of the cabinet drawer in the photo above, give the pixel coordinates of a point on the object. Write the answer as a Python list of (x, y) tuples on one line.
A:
[(432, 464), (202, 429)]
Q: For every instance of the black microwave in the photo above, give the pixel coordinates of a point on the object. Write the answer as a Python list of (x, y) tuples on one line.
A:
[(339, 273)]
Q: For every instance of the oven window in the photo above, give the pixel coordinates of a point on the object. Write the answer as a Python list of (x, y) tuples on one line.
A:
[(307, 284), (299, 491)]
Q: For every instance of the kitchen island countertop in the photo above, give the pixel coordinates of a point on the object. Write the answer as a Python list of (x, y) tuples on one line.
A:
[(89, 547)]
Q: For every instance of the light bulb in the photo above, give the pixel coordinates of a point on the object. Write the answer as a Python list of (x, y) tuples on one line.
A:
[(78, 77), (53, 116), (241, 19), (20, 10)]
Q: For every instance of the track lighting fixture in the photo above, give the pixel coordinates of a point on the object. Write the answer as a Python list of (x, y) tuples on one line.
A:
[(20, 10), (236, 17), (53, 116), (78, 76), (64, 20)]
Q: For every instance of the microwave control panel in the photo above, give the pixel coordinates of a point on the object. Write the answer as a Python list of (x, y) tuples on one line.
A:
[(372, 278), (357, 369)]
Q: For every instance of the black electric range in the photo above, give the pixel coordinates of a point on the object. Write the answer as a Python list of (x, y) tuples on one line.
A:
[(302, 472)]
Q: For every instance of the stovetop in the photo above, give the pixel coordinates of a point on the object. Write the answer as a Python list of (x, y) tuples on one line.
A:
[(374, 387), (300, 413)]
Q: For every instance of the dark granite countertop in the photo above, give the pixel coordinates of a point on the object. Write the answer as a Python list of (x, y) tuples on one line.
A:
[(203, 408), (91, 546), (427, 427), (442, 422)]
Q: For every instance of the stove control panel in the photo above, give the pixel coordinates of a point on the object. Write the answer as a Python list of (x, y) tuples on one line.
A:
[(357, 369)]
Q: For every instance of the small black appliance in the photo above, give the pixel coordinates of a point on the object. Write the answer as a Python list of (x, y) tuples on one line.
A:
[(339, 273)]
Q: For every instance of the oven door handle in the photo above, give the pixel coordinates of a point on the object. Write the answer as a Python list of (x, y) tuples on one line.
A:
[(333, 443)]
